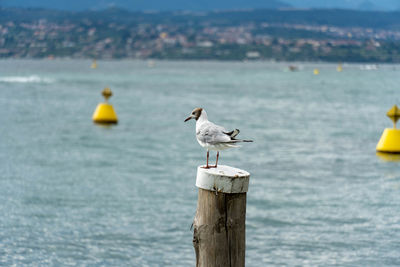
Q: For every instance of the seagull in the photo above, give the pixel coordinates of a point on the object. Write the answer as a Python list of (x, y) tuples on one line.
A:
[(212, 136)]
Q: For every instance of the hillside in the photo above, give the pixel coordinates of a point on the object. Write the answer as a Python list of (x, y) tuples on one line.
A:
[(332, 17), (140, 5), (308, 35)]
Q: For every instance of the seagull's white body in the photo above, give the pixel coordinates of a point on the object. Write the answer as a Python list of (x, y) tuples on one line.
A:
[(212, 136)]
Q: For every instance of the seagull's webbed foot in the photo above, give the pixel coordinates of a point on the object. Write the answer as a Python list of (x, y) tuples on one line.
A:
[(207, 167)]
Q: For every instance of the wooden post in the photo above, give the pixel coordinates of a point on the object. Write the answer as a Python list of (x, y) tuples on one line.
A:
[(219, 237)]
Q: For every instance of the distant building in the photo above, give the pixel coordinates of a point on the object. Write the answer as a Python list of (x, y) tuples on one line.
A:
[(253, 54)]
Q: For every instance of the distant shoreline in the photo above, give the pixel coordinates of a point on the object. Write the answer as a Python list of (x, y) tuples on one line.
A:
[(157, 61), (312, 35)]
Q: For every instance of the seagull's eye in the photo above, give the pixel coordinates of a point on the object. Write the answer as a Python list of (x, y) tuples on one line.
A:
[(193, 113)]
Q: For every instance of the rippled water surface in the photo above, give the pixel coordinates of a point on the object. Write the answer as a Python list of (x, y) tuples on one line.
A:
[(74, 193)]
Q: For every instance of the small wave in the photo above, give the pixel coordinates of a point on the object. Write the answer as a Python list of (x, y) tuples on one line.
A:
[(25, 79)]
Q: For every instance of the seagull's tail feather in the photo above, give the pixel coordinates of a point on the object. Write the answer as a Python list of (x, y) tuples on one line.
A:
[(239, 141), (233, 134)]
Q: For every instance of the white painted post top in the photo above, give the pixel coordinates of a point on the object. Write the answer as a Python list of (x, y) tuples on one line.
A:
[(223, 179)]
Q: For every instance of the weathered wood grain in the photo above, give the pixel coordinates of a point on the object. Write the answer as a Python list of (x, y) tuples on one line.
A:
[(219, 229)]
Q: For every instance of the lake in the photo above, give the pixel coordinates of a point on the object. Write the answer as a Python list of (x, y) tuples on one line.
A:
[(76, 193)]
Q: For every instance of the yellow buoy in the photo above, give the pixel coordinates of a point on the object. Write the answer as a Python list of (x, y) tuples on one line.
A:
[(94, 64), (339, 68), (316, 71), (104, 112), (390, 139)]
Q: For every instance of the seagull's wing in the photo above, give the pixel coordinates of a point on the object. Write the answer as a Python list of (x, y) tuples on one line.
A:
[(213, 134), (233, 133)]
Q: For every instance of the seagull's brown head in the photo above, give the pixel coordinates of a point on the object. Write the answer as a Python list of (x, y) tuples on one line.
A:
[(196, 113)]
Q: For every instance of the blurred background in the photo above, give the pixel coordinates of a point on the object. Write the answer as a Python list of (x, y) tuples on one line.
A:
[(309, 82)]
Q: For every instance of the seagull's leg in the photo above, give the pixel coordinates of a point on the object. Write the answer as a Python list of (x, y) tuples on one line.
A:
[(216, 162), (208, 155), (208, 166)]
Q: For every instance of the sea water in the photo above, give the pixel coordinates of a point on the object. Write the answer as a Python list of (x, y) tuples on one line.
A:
[(73, 193)]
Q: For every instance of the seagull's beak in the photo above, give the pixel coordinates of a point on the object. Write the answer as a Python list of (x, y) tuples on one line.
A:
[(189, 118)]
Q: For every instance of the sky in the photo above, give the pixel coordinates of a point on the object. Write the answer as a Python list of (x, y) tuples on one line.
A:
[(202, 4)]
